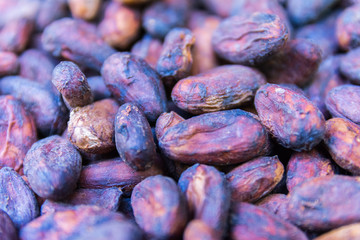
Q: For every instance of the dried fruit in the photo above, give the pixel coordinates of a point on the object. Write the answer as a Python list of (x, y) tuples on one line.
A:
[(276, 204), (166, 121)]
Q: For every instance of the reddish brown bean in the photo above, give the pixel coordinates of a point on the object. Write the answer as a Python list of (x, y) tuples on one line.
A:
[(91, 128), (83, 222), (249, 222), (324, 203), (159, 208), (84, 9), (77, 41), (305, 165), (175, 60), (342, 138), (133, 137), (15, 35), (198, 230), (220, 88), (120, 26), (72, 84), (249, 40), (46, 106), (276, 204), (207, 195), (166, 121), (252, 180), (127, 76), (9, 63), (290, 117), (343, 101), (16, 198), (7, 228), (52, 166), (114, 173), (220, 138), (108, 198), (17, 133), (36, 65), (296, 63)]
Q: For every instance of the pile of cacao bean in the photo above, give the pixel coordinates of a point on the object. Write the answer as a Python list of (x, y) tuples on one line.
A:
[(179, 119)]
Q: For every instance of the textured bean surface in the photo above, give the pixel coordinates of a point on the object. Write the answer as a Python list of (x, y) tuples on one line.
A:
[(159, 207), (249, 40), (208, 196), (17, 133), (254, 179), (16, 198), (219, 138), (91, 128), (131, 79), (324, 203), (342, 138), (166, 121), (290, 117), (133, 137), (276, 204), (254, 223), (52, 166), (220, 88), (71, 224)]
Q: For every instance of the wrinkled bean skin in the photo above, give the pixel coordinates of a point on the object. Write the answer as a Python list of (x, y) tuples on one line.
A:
[(249, 40), (301, 12), (84, 9), (108, 198), (166, 121), (114, 173), (296, 63), (254, 179), (52, 166), (343, 101), (175, 60), (198, 230), (348, 232), (202, 26), (290, 117), (324, 203), (276, 204), (98, 88), (159, 208), (127, 76), (249, 222), (7, 228), (305, 165), (120, 26), (347, 28), (325, 79), (91, 128), (219, 138), (133, 137), (76, 41), (350, 67), (9, 63), (47, 108), (342, 141), (98, 222), (220, 88), (36, 65), (15, 35), (16, 198), (71, 82), (160, 17), (149, 49), (208, 196), (17, 133)]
